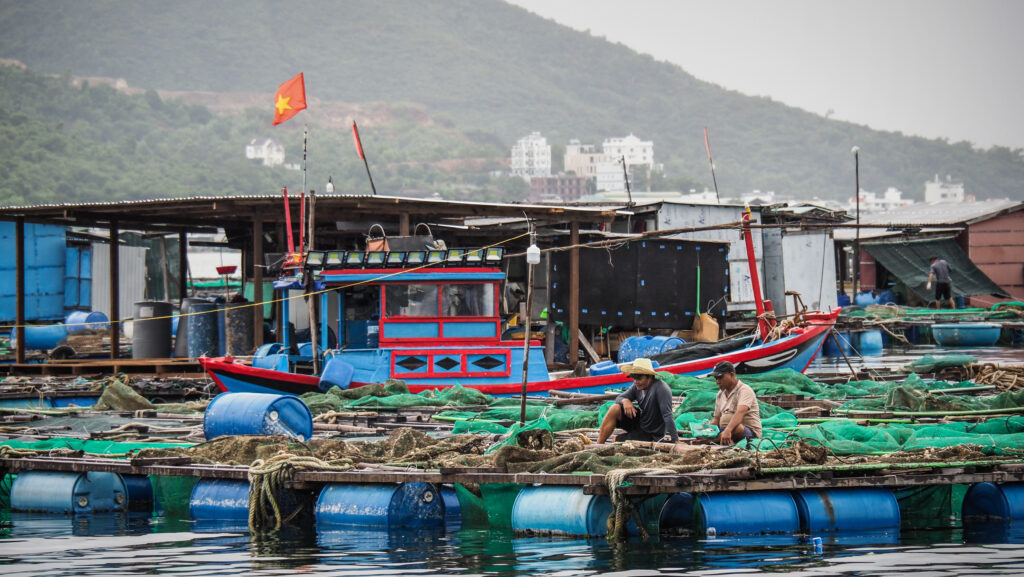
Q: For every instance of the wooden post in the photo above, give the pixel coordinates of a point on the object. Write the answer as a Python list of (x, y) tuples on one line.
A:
[(182, 267), (115, 293), (278, 307), (19, 315), (403, 224), (257, 279), (574, 293)]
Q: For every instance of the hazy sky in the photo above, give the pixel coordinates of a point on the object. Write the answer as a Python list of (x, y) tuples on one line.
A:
[(933, 68)]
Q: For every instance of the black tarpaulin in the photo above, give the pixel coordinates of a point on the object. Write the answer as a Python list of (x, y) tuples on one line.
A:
[(909, 261)]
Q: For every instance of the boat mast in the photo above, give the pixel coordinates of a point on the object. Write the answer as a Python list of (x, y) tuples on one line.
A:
[(762, 323)]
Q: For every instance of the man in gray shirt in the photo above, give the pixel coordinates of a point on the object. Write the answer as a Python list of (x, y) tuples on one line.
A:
[(644, 411), (939, 271)]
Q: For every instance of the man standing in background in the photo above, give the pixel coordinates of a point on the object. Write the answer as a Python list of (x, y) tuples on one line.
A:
[(943, 282)]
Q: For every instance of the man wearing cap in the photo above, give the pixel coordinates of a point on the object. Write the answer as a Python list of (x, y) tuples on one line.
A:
[(644, 410), (737, 414)]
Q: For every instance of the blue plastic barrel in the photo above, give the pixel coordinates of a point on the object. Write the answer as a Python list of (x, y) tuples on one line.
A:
[(991, 501), (140, 492), (870, 343), (219, 500), (830, 349), (647, 346), (181, 330), (238, 332), (68, 493), (336, 373), (86, 320), (257, 414), (221, 329), (202, 329), (604, 368), (677, 512), (847, 510), (842, 299), (382, 506), (452, 508), (151, 330), (40, 337), (749, 512), (560, 511), (865, 298), (966, 334)]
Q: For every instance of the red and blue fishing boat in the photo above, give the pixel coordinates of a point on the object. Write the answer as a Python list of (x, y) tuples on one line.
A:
[(431, 318)]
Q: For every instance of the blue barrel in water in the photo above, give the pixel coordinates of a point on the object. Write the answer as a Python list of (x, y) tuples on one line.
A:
[(991, 501), (40, 337), (151, 330), (830, 349), (202, 329), (257, 414), (560, 511), (408, 505), (220, 504), (140, 492), (647, 346), (68, 493), (870, 343), (452, 508), (677, 512), (181, 330), (750, 512), (847, 510), (86, 320), (842, 299)]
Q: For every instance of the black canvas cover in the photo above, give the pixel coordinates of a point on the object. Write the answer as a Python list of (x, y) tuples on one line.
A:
[(909, 261)]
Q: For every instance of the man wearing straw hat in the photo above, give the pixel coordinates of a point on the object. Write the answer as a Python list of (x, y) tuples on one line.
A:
[(644, 411)]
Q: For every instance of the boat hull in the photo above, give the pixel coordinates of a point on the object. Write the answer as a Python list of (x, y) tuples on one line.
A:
[(795, 351)]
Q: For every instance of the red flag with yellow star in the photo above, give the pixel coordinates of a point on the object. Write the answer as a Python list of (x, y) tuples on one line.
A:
[(290, 99)]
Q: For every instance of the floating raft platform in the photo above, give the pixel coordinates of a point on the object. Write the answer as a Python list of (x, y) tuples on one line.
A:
[(156, 367), (742, 479)]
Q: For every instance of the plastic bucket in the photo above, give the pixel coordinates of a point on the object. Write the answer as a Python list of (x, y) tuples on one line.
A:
[(151, 330), (336, 373), (202, 329), (847, 510), (752, 512), (409, 505), (257, 414), (40, 337), (991, 501), (68, 493), (647, 346), (86, 320), (560, 511), (870, 343)]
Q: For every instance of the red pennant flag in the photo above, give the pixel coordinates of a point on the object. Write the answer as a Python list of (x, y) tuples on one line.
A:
[(290, 99), (359, 145), (707, 143)]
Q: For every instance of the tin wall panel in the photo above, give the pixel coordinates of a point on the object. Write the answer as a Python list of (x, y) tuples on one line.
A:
[(132, 274)]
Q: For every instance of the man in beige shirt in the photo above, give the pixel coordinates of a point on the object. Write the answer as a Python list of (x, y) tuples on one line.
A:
[(737, 414)]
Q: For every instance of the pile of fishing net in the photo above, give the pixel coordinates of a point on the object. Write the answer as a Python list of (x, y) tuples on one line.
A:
[(119, 395), (394, 394)]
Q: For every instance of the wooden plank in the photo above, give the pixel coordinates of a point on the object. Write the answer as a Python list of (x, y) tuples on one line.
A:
[(594, 357)]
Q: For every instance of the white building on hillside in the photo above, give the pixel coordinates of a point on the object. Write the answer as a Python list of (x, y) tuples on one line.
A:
[(635, 150), (268, 150), (938, 191), (871, 203), (531, 156), (583, 159)]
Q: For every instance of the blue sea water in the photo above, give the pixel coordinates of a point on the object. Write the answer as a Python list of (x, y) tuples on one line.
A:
[(33, 545)]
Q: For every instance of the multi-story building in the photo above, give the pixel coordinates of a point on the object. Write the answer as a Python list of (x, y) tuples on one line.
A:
[(635, 151), (565, 188), (531, 157), (948, 191), (871, 203), (583, 159)]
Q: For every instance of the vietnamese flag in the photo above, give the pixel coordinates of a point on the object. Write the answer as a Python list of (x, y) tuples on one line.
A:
[(290, 99)]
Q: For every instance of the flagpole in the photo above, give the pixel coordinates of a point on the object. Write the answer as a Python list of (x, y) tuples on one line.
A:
[(707, 145), (359, 149)]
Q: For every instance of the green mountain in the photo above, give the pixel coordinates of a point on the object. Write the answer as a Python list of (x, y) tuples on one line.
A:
[(487, 71)]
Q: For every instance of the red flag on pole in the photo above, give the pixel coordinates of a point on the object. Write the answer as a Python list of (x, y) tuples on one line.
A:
[(359, 145), (707, 143), (290, 99)]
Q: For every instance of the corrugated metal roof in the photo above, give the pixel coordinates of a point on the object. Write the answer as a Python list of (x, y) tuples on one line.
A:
[(930, 218)]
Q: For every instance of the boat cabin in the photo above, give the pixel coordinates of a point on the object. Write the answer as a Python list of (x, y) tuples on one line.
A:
[(420, 316)]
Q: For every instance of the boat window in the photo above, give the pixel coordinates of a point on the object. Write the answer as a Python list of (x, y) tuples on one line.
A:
[(410, 300), (467, 300)]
